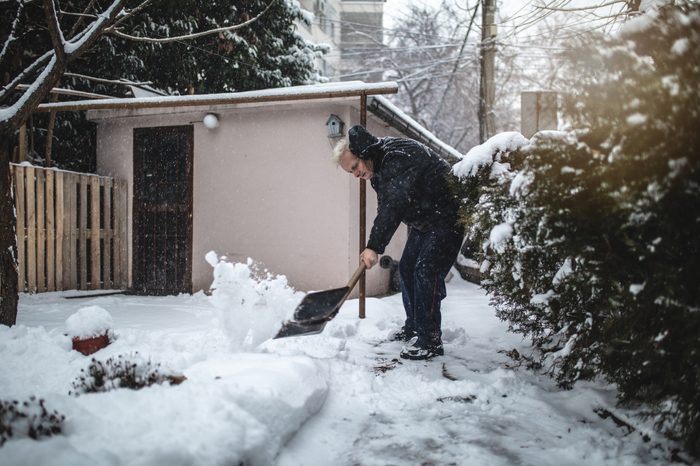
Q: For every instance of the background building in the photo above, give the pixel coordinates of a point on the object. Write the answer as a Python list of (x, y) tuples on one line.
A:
[(350, 28)]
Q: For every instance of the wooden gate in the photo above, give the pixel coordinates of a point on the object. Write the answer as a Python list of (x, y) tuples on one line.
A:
[(71, 230)]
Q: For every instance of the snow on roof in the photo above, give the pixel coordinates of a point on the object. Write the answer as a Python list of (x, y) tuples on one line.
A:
[(315, 91), (378, 105)]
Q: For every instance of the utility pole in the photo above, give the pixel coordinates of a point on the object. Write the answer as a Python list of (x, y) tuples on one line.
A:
[(487, 56)]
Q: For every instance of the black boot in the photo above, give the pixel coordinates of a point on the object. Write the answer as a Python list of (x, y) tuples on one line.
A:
[(420, 348), (403, 334)]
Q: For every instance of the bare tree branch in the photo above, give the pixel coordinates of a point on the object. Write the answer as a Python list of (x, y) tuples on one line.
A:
[(129, 13), (77, 24), (438, 109), (582, 8)]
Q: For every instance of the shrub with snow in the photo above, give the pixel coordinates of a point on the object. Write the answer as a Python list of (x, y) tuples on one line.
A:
[(600, 264), (28, 418), (131, 372), (253, 305)]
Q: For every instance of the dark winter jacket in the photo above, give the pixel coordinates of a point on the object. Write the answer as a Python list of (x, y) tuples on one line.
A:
[(411, 185)]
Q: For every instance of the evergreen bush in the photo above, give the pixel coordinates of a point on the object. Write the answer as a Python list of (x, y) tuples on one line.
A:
[(593, 235)]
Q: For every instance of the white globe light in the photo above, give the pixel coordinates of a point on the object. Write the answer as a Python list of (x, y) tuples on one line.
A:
[(211, 121)]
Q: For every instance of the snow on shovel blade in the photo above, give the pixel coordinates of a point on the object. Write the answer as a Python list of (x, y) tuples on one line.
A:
[(320, 305), (316, 309), (291, 328), (313, 312)]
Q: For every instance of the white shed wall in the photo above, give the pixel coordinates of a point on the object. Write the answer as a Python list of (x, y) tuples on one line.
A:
[(265, 188)]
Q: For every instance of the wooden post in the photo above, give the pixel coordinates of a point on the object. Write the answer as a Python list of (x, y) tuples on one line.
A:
[(124, 246), (107, 235), (59, 213), (40, 214), (84, 181), (70, 254), (50, 231), (95, 266), (487, 91), (30, 205), (538, 111), (363, 214), (22, 156), (21, 209)]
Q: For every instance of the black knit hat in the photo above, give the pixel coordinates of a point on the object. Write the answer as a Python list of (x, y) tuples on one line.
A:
[(361, 141)]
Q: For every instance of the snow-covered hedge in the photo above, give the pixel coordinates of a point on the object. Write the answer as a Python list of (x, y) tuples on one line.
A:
[(591, 237)]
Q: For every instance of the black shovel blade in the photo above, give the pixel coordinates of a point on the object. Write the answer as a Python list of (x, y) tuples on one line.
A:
[(292, 328), (313, 312), (321, 305)]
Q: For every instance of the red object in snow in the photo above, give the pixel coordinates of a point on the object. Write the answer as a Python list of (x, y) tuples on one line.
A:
[(90, 345)]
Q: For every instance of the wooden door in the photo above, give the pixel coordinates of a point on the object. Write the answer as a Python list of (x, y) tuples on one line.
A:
[(162, 228)]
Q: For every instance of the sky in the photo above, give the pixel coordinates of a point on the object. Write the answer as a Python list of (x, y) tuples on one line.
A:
[(393, 7), (521, 10)]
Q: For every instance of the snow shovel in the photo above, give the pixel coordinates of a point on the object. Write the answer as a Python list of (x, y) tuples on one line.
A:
[(317, 308)]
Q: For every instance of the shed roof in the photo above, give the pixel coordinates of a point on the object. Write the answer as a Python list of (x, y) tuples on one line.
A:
[(316, 91), (376, 104)]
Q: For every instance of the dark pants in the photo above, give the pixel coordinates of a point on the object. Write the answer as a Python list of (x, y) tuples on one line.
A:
[(425, 262)]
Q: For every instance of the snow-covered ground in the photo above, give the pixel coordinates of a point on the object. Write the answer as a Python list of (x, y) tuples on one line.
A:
[(338, 398)]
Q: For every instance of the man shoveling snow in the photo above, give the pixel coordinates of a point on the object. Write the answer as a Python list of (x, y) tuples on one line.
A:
[(412, 187)]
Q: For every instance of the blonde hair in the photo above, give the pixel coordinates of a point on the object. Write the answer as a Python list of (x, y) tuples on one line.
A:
[(341, 146)]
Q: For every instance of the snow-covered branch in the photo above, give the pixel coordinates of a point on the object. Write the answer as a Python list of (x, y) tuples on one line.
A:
[(195, 35), (13, 31), (53, 63), (126, 14), (107, 81), (28, 71), (55, 32)]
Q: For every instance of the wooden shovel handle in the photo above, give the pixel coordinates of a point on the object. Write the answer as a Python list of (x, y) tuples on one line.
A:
[(351, 284), (356, 276)]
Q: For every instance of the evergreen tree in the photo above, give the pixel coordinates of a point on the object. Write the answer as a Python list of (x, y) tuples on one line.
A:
[(266, 53), (593, 237), (642, 113)]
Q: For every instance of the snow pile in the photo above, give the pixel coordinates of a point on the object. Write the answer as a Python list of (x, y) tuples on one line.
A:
[(229, 411), (363, 404), (252, 309), (340, 397), (483, 154), (88, 322), (232, 407)]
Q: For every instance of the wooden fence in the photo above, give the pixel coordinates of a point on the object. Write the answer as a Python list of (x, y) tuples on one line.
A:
[(71, 230)]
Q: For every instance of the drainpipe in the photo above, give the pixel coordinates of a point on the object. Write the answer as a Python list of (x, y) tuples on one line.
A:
[(363, 210)]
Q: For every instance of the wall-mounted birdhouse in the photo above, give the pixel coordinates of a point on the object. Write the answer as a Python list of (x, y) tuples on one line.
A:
[(334, 126)]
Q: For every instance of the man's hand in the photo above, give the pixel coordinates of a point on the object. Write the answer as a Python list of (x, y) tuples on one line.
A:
[(369, 257)]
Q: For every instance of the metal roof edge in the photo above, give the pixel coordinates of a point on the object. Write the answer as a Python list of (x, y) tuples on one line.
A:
[(316, 91), (396, 118)]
